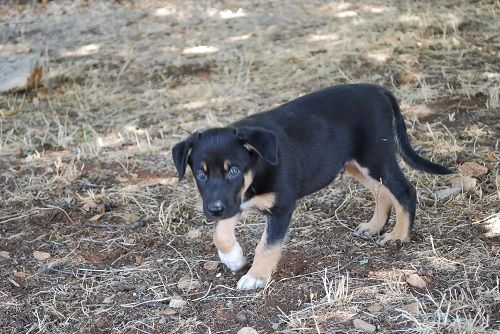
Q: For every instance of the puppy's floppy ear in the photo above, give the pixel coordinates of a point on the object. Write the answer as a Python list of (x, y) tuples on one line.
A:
[(260, 140), (180, 154)]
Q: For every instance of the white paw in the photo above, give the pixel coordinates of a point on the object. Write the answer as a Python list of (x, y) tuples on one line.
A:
[(234, 259), (248, 282)]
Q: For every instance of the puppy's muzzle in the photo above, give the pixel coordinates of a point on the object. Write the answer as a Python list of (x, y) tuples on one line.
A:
[(216, 209)]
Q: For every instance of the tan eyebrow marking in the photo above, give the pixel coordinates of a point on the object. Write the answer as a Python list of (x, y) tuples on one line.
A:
[(227, 163), (204, 166)]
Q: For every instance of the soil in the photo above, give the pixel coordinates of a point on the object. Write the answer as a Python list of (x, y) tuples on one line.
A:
[(86, 173)]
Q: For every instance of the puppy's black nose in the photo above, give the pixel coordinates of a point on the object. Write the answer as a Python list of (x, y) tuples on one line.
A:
[(216, 209)]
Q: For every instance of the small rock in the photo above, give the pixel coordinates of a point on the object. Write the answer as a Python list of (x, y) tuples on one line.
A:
[(194, 234), (168, 311), (162, 321), (41, 256), (5, 254), (186, 283), (211, 265), (448, 192), (473, 168), (19, 72), (131, 218), (364, 326), (466, 183), (375, 308), (177, 302), (416, 281), (108, 299), (413, 308), (247, 330)]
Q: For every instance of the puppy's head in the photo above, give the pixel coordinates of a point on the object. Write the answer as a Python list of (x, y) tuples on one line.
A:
[(221, 160)]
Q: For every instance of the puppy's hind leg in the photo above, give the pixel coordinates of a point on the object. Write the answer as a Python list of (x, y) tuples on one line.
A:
[(404, 198), (383, 201)]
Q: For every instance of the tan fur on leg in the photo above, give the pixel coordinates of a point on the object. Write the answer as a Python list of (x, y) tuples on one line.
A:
[(401, 230), (265, 261), (266, 258), (383, 200), (224, 238), (230, 251)]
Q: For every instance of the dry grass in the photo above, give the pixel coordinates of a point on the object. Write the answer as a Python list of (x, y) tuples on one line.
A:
[(86, 175)]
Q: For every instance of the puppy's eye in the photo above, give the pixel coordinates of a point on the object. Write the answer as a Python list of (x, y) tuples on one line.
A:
[(233, 172), (200, 175)]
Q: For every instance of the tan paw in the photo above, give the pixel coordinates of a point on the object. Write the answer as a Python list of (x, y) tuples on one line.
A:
[(366, 230), (394, 238)]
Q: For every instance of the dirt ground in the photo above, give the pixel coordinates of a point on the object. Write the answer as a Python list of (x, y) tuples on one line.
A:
[(87, 179)]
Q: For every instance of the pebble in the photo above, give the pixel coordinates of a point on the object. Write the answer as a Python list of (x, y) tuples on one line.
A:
[(364, 326), (41, 256), (375, 308), (413, 308), (194, 234), (466, 183), (177, 302), (247, 330), (416, 281)]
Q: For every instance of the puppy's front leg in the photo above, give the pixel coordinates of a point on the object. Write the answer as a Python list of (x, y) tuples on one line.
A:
[(268, 251), (229, 249)]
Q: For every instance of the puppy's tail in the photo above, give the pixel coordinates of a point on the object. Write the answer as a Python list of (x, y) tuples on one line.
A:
[(405, 149)]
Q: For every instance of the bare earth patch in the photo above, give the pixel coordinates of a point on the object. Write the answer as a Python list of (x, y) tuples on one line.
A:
[(96, 232)]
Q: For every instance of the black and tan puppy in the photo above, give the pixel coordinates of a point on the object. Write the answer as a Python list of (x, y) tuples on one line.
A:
[(271, 159)]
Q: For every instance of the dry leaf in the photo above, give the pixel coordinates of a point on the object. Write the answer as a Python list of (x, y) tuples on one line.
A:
[(95, 217), (88, 205), (211, 265), (466, 183), (186, 283), (473, 168), (5, 254), (20, 274), (413, 308), (41, 256)]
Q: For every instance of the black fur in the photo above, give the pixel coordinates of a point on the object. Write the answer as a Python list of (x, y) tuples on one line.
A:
[(300, 147)]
